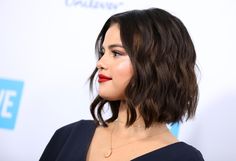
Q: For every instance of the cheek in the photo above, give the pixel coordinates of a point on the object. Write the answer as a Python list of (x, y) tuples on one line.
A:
[(123, 72)]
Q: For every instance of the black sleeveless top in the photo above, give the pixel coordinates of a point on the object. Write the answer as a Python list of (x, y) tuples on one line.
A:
[(71, 143)]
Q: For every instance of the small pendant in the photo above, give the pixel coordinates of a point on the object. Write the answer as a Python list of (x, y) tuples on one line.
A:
[(108, 153)]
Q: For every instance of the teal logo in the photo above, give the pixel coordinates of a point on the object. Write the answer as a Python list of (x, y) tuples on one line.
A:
[(174, 128), (10, 95)]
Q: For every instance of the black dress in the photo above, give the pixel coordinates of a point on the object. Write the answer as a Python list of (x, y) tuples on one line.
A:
[(71, 143)]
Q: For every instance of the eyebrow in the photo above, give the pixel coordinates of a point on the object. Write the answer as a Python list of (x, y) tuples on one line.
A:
[(113, 46)]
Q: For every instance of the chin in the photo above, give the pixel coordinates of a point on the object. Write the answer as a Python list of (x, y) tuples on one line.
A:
[(110, 98)]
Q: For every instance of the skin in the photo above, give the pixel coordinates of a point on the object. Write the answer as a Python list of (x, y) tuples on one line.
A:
[(115, 63), (128, 142)]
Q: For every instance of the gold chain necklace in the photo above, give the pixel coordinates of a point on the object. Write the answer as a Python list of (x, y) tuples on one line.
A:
[(108, 153)]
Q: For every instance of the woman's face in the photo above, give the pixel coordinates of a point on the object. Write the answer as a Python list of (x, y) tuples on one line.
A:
[(114, 67)]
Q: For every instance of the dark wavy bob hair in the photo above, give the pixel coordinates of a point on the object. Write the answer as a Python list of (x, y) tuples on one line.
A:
[(163, 87)]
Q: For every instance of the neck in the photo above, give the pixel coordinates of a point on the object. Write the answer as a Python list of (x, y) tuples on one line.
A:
[(122, 116), (138, 126)]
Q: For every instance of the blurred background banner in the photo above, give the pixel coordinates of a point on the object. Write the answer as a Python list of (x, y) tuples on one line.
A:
[(10, 95), (47, 55)]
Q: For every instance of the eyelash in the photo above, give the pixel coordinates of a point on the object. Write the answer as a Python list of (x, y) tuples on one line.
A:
[(116, 53)]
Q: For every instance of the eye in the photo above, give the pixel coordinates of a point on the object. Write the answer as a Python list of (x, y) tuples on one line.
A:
[(117, 53)]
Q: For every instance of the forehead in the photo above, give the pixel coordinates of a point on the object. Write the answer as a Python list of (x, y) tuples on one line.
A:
[(112, 35)]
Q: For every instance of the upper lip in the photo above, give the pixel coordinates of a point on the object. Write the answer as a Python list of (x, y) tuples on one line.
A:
[(101, 76)]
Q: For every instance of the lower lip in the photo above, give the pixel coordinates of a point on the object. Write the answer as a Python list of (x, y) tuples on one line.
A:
[(101, 80)]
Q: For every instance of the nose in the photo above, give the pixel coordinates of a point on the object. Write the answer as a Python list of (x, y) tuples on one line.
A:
[(101, 63)]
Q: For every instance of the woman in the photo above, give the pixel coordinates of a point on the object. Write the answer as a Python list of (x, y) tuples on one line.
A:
[(146, 74)]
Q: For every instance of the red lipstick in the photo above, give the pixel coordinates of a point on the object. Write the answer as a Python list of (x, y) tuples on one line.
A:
[(103, 78)]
